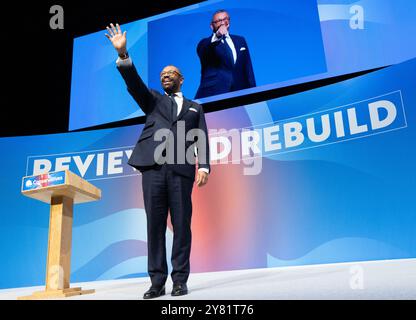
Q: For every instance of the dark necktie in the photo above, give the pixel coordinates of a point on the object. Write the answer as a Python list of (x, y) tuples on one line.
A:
[(174, 106), (228, 49)]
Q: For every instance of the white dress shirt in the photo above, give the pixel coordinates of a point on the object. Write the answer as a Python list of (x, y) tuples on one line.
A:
[(124, 63), (178, 96), (229, 42)]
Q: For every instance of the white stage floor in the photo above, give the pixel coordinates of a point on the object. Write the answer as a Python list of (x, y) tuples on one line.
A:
[(386, 279)]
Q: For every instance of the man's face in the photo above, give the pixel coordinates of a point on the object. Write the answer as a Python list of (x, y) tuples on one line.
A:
[(220, 19), (171, 79)]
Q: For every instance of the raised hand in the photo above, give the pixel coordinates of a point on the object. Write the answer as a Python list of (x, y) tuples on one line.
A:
[(222, 31), (117, 38)]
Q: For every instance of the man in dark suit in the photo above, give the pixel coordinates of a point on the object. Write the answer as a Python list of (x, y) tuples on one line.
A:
[(225, 60), (167, 173)]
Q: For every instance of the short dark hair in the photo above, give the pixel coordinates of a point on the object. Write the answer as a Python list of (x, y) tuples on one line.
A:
[(220, 11)]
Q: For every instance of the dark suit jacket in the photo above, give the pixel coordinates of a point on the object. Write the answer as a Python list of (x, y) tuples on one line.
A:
[(219, 74), (157, 108)]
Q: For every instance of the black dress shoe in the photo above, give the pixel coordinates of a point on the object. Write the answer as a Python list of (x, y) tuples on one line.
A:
[(179, 289), (154, 292)]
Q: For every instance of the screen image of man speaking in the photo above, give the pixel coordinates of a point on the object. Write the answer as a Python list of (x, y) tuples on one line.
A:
[(225, 60)]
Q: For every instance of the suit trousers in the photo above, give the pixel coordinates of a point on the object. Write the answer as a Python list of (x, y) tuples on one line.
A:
[(163, 191)]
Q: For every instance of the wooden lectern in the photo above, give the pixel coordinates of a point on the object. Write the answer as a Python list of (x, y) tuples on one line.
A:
[(61, 190)]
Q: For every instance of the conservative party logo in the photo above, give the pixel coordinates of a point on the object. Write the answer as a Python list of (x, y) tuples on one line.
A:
[(43, 181)]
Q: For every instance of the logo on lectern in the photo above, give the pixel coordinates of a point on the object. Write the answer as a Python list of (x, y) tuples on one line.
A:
[(44, 180)]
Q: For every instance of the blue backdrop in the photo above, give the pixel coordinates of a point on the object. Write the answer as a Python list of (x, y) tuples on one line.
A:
[(349, 197), (292, 42)]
